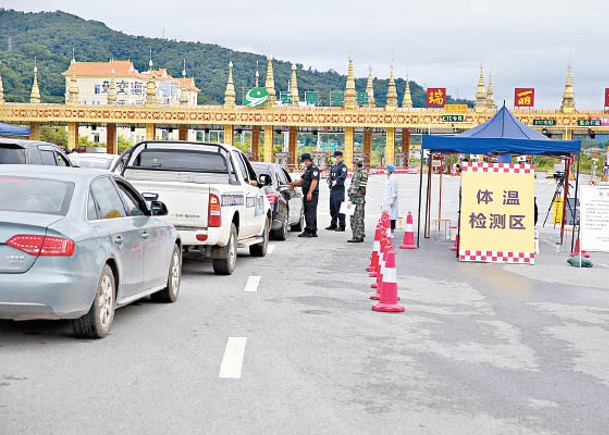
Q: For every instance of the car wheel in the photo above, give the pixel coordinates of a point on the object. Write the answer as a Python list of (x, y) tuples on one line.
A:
[(226, 266), (301, 222), (282, 233), (260, 249), (174, 277), (98, 321)]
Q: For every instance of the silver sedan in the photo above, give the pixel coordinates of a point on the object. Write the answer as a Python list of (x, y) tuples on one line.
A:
[(76, 244)]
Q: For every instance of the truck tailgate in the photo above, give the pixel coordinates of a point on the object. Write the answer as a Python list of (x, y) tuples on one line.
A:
[(187, 203)]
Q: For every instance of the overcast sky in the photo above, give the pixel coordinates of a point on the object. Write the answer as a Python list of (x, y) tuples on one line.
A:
[(524, 43)]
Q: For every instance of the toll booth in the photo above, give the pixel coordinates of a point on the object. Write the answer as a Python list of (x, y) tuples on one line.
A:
[(282, 159), (320, 158)]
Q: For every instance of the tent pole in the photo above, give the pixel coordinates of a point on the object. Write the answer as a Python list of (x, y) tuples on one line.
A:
[(440, 196), (420, 196), (575, 218), (427, 231), (565, 198)]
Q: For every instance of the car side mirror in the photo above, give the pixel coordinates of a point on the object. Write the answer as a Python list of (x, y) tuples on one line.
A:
[(265, 180), (158, 208)]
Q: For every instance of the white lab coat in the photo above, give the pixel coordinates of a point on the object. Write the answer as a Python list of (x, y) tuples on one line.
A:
[(390, 197)]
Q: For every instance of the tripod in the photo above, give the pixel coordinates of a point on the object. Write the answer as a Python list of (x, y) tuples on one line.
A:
[(560, 185)]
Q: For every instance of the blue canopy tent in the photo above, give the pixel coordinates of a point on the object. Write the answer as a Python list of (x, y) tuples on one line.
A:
[(500, 136), (12, 130)]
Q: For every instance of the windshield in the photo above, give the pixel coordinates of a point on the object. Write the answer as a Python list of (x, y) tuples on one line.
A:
[(181, 160), (92, 163), (35, 195), (12, 154)]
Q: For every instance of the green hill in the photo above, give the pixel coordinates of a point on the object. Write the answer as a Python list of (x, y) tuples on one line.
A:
[(50, 36)]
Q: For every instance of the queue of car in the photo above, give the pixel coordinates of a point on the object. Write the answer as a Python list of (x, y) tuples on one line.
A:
[(82, 235)]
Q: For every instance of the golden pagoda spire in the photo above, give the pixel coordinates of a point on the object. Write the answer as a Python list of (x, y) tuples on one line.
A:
[(407, 101), (112, 89), (370, 87), (257, 75), (270, 82), (350, 100), (480, 105), (73, 94), (1, 88), (229, 94), (151, 98), (392, 95), (183, 96), (568, 96), (490, 95), (294, 87), (35, 95)]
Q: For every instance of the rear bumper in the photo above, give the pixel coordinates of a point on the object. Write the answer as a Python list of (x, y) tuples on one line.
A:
[(189, 237), (49, 295)]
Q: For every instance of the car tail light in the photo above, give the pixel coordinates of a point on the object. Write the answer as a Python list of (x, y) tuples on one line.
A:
[(44, 246), (272, 197), (201, 237), (214, 218)]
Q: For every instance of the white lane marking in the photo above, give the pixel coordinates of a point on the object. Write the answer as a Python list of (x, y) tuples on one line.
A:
[(252, 284), (270, 249), (232, 362)]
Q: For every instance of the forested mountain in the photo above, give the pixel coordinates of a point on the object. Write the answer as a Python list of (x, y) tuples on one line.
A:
[(50, 36)]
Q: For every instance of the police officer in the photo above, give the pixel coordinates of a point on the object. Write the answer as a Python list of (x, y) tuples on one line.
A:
[(310, 192), (336, 182), (357, 195)]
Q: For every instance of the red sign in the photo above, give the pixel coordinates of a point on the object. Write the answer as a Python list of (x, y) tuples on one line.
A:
[(524, 97), (436, 97), (606, 97)]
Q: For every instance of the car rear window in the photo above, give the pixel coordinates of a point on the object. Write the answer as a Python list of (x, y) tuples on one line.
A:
[(12, 154), (181, 160), (35, 195)]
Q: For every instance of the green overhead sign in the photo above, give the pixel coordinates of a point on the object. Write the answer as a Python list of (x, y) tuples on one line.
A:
[(453, 118), (256, 97)]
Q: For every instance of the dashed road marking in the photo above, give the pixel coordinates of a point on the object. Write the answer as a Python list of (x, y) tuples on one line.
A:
[(270, 249), (252, 284), (232, 362)]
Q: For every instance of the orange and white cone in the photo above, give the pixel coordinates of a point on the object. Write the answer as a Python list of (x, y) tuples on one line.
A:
[(381, 264), (374, 257), (577, 251), (408, 242), (388, 302)]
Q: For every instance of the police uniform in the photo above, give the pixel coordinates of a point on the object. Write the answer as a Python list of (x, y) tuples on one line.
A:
[(310, 207), (337, 178), (357, 195)]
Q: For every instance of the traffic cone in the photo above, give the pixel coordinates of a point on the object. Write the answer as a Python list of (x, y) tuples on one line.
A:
[(374, 257), (387, 223), (577, 251), (408, 242), (384, 243), (388, 302), (456, 245)]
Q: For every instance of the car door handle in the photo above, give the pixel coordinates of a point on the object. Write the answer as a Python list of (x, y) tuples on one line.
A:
[(145, 234), (118, 240)]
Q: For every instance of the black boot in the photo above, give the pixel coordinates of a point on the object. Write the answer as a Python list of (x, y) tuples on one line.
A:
[(341, 229), (331, 227)]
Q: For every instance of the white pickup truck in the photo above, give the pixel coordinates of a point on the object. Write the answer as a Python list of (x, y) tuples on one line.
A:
[(211, 193)]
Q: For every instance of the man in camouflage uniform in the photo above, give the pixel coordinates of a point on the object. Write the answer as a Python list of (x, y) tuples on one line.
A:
[(357, 195)]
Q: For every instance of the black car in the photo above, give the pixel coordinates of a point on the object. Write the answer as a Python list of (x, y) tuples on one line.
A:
[(286, 202), (31, 152)]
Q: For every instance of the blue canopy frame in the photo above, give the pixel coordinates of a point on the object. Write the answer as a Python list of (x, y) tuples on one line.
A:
[(501, 136)]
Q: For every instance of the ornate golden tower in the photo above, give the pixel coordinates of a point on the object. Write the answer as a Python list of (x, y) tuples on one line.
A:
[(490, 95), (73, 94), (257, 74), (480, 94), (270, 83), (392, 94), (151, 98), (294, 87), (112, 90), (370, 88), (407, 101), (35, 95), (350, 100), (568, 96), (229, 94), (183, 97)]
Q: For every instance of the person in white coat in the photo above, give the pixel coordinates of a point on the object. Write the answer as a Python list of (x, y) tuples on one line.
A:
[(390, 197)]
